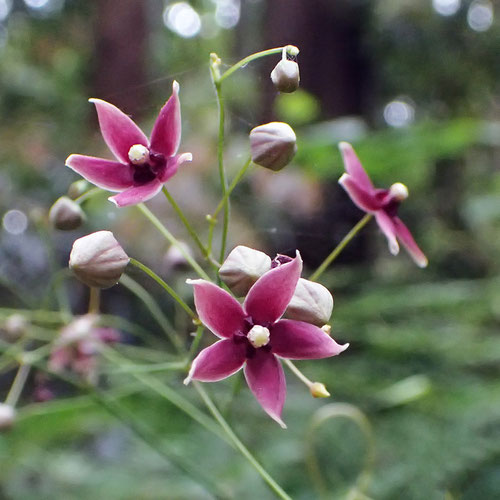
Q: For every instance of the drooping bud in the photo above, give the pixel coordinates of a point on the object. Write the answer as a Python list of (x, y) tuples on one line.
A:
[(311, 302), (66, 215), (7, 416), (77, 188), (14, 327), (259, 336), (273, 145), (242, 268), (98, 260), (286, 75), (318, 390)]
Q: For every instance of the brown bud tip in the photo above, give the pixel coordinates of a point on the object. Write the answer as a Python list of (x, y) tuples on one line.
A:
[(286, 76), (98, 260), (66, 215), (318, 390), (273, 145)]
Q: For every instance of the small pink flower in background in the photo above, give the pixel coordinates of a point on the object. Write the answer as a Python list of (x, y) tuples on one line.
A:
[(382, 203), (78, 344), (143, 166), (253, 335)]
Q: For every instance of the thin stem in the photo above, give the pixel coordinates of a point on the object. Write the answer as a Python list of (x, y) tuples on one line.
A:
[(186, 223), (166, 286), (338, 249), (275, 487), (298, 373), (196, 343), (94, 300), (250, 58), (172, 240), (88, 194), (17, 385), (154, 309)]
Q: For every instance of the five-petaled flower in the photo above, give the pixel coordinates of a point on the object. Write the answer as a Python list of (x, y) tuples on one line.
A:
[(253, 335), (382, 203), (143, 166)]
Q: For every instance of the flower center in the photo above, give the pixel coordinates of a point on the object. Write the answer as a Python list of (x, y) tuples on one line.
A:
[(258, 336), (138, 154), (398, 191)]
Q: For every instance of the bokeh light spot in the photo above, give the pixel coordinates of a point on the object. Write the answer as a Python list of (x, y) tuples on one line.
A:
[(15, 222), (446, 7), (480, 15), (227, 13), (399, 113), (182, 19), (5, 6)]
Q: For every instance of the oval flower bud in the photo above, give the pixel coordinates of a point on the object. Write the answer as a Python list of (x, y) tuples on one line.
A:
[(273, 145), (7, 416), (14, 327), (66, 215), (286, 76), (311, 302), (98, 260), (242, 268)]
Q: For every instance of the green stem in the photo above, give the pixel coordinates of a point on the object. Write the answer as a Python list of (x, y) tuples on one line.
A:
[(338, 249), (250, 58), (166, 286), (297, 373), (275, 487), (186, 223), (154, 309), (17, 385), (88, 194), (196, 343), (172, 240)]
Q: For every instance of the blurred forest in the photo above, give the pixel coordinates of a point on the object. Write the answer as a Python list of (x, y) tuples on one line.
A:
[(414, 86)]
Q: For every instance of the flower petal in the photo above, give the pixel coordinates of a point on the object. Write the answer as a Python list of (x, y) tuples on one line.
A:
[(364, 199), (404, 236), (300, 340), (386, 225), (218, 361), (166, 134), (268, 298), (137, 194), (173, 163), (106, 174), (354, 168), (266, 380), (221, 313), (118, 130)]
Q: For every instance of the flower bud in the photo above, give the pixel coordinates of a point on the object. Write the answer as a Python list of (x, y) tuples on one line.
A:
[(318, 390), (273, 145), (14, 327), (77, 188), (66, 215), (286, 76), (242, 268), (98, 260), (311, 302), (7, 416)]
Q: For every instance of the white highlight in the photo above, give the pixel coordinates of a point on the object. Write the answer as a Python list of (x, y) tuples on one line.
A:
[(182, 19), (227, 13), (5, 6), (399, 113), (480, 15), (446, 7), (15, 222)]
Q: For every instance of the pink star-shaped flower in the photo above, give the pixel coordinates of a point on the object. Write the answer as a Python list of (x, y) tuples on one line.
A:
[(382, 203), (143, 166), (253, 335)]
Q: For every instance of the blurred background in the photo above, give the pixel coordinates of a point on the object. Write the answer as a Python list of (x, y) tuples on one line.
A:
[(414, 86)]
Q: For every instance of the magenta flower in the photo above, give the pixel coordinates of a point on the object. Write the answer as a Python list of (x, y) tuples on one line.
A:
[(253, 335), (382, 203), (143, 166)]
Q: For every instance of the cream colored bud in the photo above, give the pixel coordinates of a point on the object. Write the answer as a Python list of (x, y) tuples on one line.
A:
[(98, 260), (66, 215), (77, 188), (14, 327), (242, 268), (273, 145), (138, 154), (259, 336), (318, 390), (311, 302), (7, 416), (399, 191), (286, 76)]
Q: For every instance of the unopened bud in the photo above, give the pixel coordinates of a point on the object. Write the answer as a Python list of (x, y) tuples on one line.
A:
[(77, 188), (273, 145), (175, 257), (98, 260), (14, 327), (7, 416), (66, 215), (318, 390), (242, 268), (286, 76), (311, 302)]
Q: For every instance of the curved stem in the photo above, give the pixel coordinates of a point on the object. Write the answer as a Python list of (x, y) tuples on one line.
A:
[(165, 285), (275, 487), (88, 194), (338, 249), (172, 240)]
